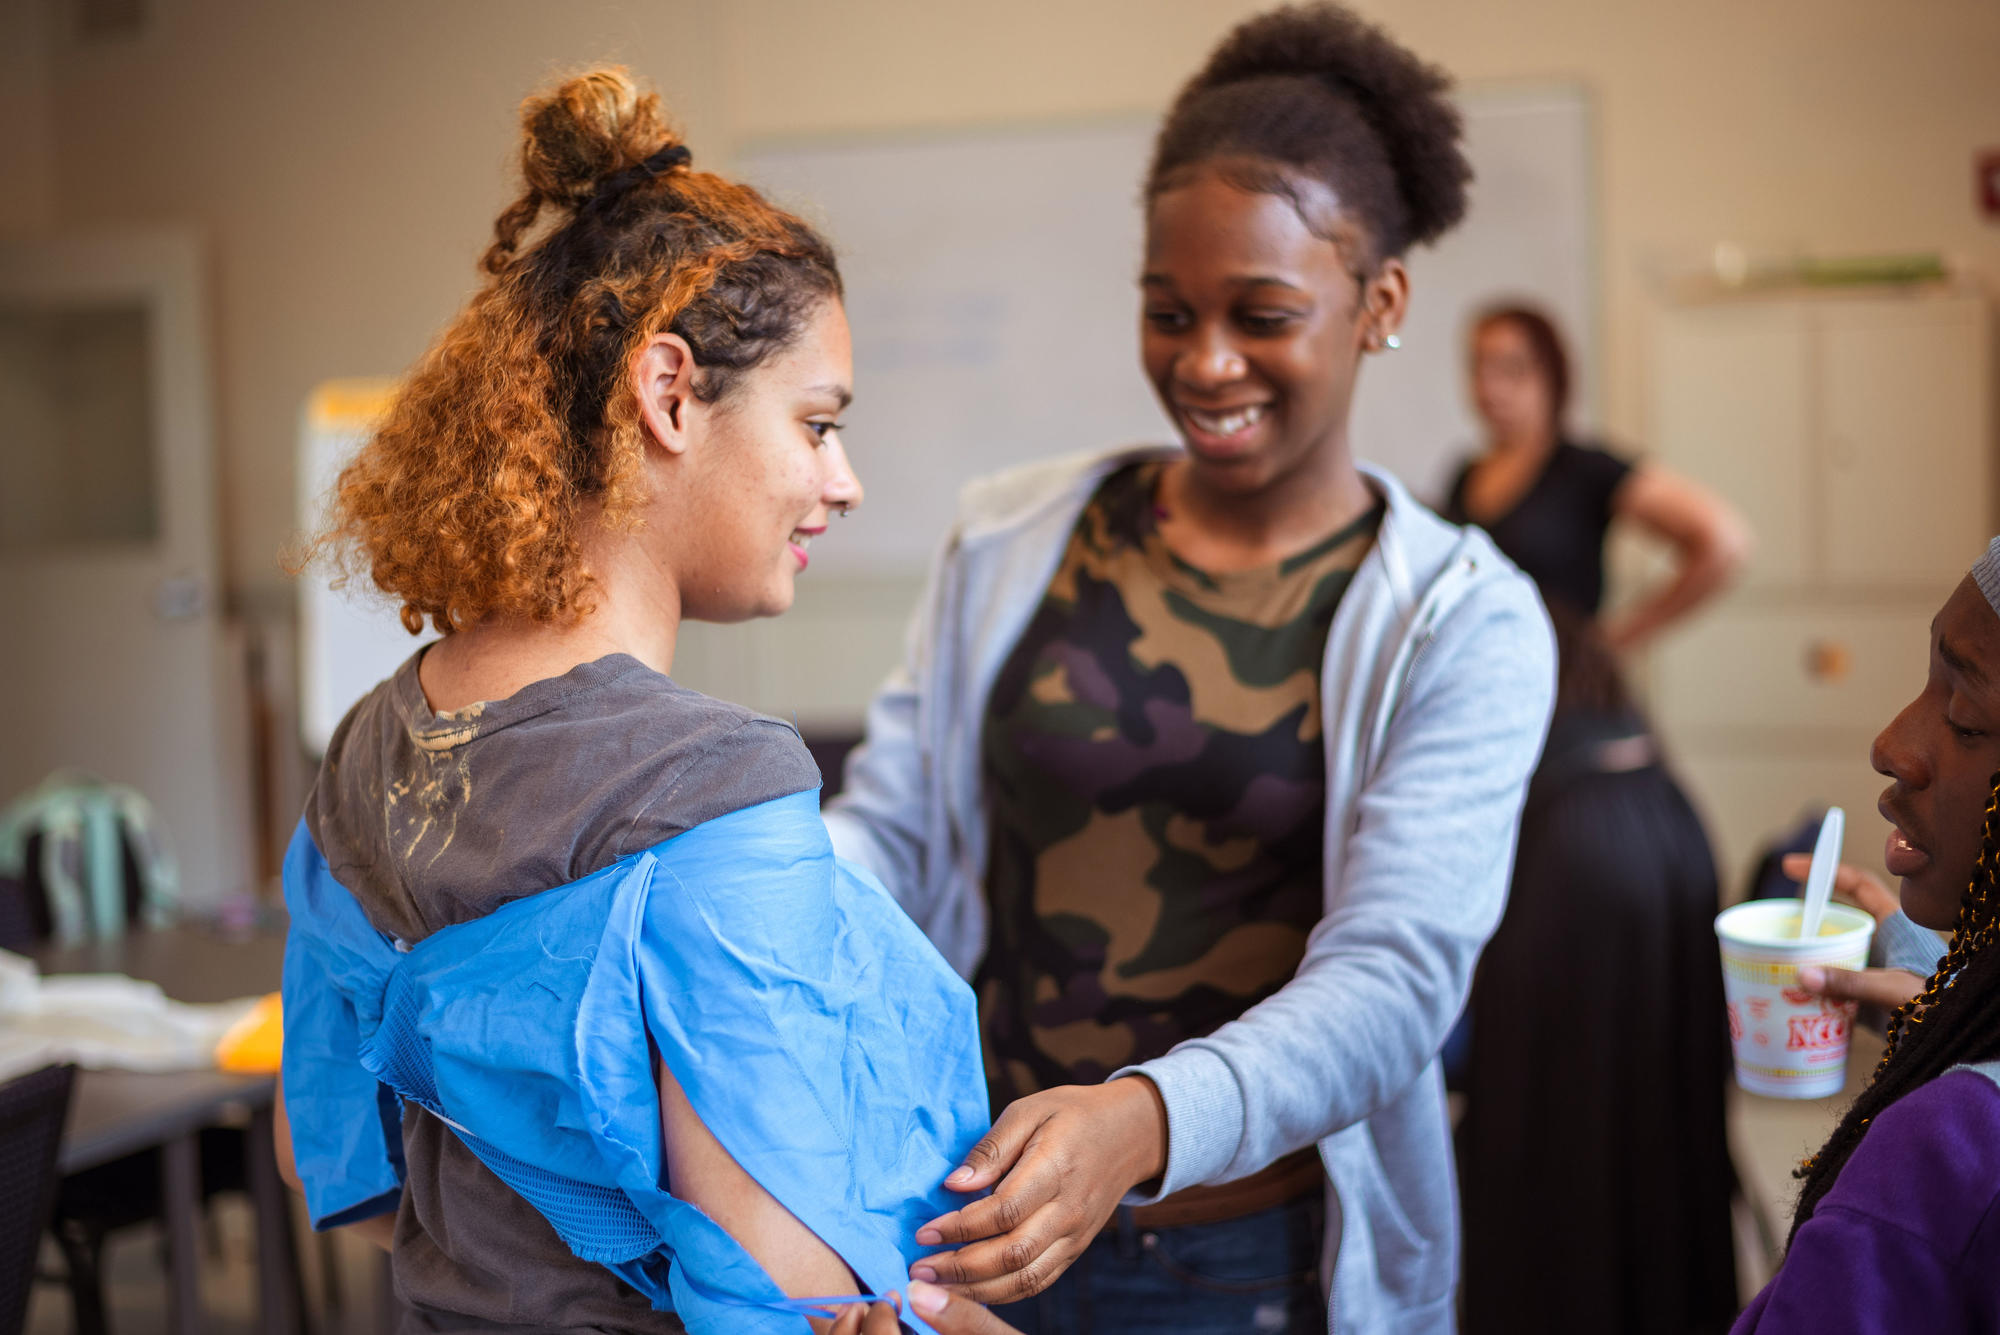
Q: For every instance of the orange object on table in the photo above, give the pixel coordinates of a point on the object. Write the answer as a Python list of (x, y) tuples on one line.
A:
[(253, 1045)]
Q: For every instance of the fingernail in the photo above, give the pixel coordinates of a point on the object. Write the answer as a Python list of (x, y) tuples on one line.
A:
[(926, 1299), (929, 1236), (923, 1274), (958, 1176), (1811, 977)]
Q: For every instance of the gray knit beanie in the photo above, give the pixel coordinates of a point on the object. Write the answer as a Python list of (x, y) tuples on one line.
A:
[(1986, 573)]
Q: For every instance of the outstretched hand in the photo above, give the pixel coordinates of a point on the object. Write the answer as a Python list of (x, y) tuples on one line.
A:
[(1062, 1159), (1851, 885), (946, 1314)]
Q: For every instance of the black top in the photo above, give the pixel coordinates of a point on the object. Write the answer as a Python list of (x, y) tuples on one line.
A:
[(1555, 532)]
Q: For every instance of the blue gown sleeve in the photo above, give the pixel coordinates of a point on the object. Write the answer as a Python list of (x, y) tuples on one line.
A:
[(820, 1037), (346, 1125)]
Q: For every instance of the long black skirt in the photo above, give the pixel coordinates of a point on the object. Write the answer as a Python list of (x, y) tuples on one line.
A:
[(1593, 1157)]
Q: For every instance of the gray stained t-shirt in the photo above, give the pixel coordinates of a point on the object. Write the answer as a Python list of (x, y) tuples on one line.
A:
[(432, 819)]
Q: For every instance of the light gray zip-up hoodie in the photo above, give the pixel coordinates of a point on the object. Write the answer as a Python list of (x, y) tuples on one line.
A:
[(1436, 691)]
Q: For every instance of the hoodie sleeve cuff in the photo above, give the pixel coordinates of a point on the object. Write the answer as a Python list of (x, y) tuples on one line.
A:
[(1204, 1118), (1909, 946)]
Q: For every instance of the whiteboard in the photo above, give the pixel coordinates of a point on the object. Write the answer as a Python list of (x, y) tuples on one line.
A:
[(992, 290)]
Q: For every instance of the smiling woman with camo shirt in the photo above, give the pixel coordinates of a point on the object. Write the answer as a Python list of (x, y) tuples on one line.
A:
[(1205, 762)]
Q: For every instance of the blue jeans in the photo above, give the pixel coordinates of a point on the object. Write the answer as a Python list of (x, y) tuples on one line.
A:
[(1258, 1274)]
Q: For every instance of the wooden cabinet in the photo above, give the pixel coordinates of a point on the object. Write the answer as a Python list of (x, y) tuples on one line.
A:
[(1856, 433), (1731, 400), (1905, 495), (1759, 667), (1749, 794)]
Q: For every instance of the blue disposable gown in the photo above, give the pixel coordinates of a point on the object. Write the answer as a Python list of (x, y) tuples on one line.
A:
[(818, 1034)]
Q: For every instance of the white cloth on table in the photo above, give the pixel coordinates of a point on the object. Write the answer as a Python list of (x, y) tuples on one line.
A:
[(103, 1021)]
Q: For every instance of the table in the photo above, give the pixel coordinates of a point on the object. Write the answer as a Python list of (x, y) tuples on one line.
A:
[(115, 1113)]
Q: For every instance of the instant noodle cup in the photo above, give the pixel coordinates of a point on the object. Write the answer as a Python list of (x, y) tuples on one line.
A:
[(1788, 1043)]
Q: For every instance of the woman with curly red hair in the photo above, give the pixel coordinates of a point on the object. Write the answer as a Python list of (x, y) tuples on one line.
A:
[(576, 993)]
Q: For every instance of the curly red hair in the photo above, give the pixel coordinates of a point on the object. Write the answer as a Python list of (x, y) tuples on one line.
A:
[(468, 501)]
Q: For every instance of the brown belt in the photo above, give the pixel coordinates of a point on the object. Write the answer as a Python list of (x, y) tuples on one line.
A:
[(1297, 1174)]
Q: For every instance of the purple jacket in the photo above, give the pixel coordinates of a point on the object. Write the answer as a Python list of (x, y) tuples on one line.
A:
[(1909, 1236)]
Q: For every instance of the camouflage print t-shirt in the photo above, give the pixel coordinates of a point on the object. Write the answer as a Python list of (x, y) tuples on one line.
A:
[(1156, 780)]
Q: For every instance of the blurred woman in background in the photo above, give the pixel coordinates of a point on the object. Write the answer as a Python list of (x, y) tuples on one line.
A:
[(1594, 1163), (1595, 1169), (1549, 499)]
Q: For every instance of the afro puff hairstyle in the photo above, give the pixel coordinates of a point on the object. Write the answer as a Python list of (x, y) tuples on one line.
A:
[(1318, 91)]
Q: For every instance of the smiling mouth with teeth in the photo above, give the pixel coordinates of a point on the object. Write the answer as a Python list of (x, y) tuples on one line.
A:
[(1223, 423), (801, 539)]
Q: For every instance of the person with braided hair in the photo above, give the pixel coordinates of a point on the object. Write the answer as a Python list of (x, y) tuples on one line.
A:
[(1897, 1225), (1205, 761), (584, 1020)]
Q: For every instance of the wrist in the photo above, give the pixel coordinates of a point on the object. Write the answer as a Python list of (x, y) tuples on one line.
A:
[(1143, 1125)]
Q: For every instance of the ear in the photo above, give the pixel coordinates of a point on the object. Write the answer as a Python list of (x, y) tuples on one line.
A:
[(662, 379), (1384, 303)]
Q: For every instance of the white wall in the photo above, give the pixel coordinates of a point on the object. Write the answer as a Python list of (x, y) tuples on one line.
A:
[(345, 162), (346, 159)]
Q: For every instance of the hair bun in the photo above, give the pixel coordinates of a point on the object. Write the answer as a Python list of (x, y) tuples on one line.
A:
[(1403, 99), (587, 128)]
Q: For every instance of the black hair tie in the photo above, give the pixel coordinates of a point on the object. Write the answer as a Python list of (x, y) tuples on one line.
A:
[(617, 184)]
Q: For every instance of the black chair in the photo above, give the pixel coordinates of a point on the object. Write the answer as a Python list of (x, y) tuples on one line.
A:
[(17, 925), (92, 1205), (32, 1109), (97, 1202)]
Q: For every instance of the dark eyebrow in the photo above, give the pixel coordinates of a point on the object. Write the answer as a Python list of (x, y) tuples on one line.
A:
[(839, 392), (1962, 665), (1247, 280)]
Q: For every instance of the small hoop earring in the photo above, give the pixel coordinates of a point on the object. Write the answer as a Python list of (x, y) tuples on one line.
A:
[(1392, 342)]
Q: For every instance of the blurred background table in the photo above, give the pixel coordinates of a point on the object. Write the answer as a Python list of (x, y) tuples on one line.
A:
[(116, 1113)]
